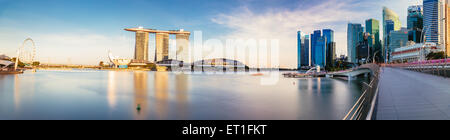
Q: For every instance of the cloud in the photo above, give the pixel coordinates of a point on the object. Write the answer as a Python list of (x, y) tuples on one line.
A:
[(65, 48), (81, 48), (283, 24)]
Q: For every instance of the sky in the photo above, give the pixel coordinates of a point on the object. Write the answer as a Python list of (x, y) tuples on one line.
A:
[(83, 31)]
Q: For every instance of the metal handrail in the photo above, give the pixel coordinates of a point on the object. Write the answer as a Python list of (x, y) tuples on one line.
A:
[(362, 107), (437, 67)]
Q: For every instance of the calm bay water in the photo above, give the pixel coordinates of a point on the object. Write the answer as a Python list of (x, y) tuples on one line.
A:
[(166, 95)]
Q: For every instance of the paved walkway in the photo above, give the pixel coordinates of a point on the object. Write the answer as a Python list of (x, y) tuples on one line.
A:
[(408, 95)]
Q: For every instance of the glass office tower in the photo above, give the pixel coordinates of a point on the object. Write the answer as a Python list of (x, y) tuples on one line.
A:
[(306, 50), (397, 39), (390, 26), (415, 23), (433, 21), (314, 37), (447, 27), (299, 49), (329, 48), (354, 36), (320, 51), (374, 42)]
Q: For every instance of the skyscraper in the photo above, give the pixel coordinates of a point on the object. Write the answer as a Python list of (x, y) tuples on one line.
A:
[(354, 36), (433, 11), (314, 37), (329, 55), (388, 29), (374, 42), (141, 47), (300, 52), (397, 39), (415, 23), (389, 15), (306, 50), (363, 50), (320, 51), (447, 27)]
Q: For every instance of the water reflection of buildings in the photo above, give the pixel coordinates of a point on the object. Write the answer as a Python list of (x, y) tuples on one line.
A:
[(151, 103), (161, 94), (182, 95), (16, 92), (333, 96), (159, 105), (140, 95), (23, 89), (112, 91)]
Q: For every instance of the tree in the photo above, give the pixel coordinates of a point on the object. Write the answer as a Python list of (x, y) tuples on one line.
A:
[(20, 64), (36, 63), (101, 64), (437, 55)]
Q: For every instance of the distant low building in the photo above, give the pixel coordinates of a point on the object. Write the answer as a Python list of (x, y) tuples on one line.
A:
[(119, 62), (413, 52), (219, 64), (6, 65)]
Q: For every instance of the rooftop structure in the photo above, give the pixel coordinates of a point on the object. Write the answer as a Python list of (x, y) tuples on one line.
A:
[(162, 44)]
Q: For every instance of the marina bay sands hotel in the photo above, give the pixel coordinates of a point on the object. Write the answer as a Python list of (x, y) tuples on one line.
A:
[(162, 44)]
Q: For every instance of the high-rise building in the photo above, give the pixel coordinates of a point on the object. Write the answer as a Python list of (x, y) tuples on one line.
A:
[(314, 37), (354, 36), (306, 50), (320, 51), (388, 29), (363, 50), (415, 23), (374, 42), (397, 39), (329, 34), (389, 15), (303, 50), (300, 52), (141, 47), (329, 55), (433, 11), (447, 27)]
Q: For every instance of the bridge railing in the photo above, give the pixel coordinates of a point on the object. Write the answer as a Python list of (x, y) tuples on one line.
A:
[(440, 67), (364, 107)]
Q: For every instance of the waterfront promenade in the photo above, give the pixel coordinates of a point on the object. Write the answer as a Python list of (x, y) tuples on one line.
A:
[(409, 95)]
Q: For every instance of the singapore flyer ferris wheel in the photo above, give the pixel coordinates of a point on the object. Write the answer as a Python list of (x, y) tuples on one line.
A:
[(27, 52)]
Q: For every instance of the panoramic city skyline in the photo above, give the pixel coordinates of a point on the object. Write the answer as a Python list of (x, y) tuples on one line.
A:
[(63, 30)]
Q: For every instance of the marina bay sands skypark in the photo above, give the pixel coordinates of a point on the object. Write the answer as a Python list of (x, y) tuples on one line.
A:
[(162, 44)]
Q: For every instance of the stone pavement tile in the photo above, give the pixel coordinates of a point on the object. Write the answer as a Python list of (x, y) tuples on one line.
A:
[(438, 100), (421, 114), (409, 102), (430, 116), (386, 113), (388, 117), (414, 106), (409, 95), (444, 108)]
